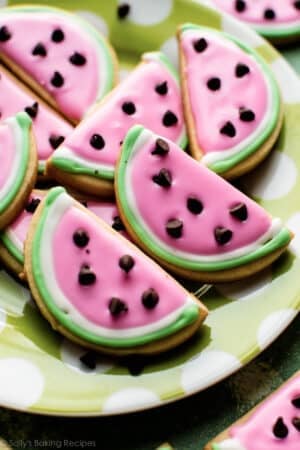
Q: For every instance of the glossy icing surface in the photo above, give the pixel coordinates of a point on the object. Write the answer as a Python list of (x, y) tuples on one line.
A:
[(111, 122), (148, 206), (45, 124), (257, 432), (38, 25), (88, 306), (14, 156), (106, 211), (212, 109), (286, 12)]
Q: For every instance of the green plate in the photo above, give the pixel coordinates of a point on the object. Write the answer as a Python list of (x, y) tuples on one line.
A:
[(41, 372)]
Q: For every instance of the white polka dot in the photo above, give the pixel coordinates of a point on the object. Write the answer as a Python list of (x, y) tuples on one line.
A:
[(124, 73), (71, 353), (288, 81), (148, 12), (130, 399), (170, 49), (273, 179), (97, 21), (294, 225), (21, 383), (237, 29), (249, 288), (206, 369), (273, 325)]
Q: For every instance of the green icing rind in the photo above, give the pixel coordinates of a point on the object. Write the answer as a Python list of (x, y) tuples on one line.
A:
[(278, 241), (228, 163), (11, 248), (23, 121), (96, 36), (188, 316), (72, 166)]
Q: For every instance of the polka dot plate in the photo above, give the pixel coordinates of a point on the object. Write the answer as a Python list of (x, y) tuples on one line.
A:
[(43, 373)]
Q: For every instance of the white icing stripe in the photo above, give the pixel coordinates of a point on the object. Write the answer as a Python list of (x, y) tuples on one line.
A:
[(54, 216), (275, 26), (229, 444), (275, 227), (212, 157), (17, 162), (12, 236), (67, 153)]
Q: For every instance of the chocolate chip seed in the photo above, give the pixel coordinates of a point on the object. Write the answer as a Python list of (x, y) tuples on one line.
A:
[(97, 142), (5, 34), (77, 59), (86, 276), (81, 238), (241, 70), (223, 235), (123, 10), (246, 115), (280, 430), (150, 298), (228, 130), (32, 205), (174, 228), (163, 178), (89, 360), (32, 110), (57, 80), (118, 224), (200, 45), (240, 5), (214, 84), (169, 119), (296, 402), (126, 262), (57, 35), (56, 140), (297, 5), (117, 307), (269, 14), (162, 89), (128, 108), (296, 423), (194, 205), (39, 50), (239, 212), (161, 147)]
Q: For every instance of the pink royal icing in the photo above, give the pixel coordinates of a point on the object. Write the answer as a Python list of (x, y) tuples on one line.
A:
[(157, 205), (106, 211), (102, 254), (46, 124), (285, 11), (212, 108), (27, 30), (257, 432), (112, 123)]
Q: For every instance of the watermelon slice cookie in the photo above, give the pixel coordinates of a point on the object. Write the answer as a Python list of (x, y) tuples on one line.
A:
[(187, 217), (114, 299), (273, 425), (18, 165), (149, 96), (277, 20), (49, 128), (55, 52), (12, 238), (232, 103)]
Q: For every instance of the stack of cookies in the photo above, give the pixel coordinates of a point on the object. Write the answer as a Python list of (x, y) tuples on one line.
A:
[(138, 174)]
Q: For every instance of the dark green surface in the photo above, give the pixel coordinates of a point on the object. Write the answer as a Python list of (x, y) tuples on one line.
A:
[(187, 424)]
